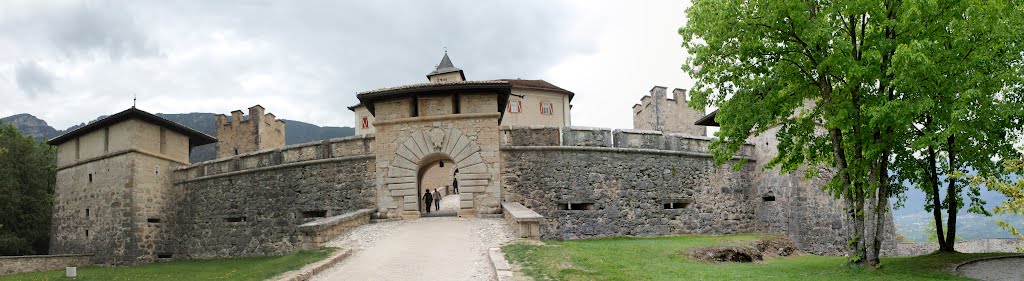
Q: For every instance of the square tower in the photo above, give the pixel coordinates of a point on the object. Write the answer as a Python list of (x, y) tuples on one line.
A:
[(114, 188), (244, 134)]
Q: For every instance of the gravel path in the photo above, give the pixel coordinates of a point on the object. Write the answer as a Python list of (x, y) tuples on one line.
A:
[(1010, 269), (442, 248)]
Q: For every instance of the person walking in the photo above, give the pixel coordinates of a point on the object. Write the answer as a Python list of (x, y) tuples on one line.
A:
[(427, 198), (437, 200), (455, 183)]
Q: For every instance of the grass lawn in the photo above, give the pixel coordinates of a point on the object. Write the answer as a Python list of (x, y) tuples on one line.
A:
[(665, 259), (255, 268)]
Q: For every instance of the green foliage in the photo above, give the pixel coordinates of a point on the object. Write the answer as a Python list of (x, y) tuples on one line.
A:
[(1014, 191), (863, 87), (27, 178), (665, 258), (253, 268)]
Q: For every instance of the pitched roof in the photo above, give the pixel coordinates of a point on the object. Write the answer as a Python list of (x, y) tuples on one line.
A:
[(502, 88), (537, 85), (708, 120), (195, 138), (446, 66)]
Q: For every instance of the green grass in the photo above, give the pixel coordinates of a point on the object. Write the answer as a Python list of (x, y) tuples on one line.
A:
[(254, 268), (665, 259)]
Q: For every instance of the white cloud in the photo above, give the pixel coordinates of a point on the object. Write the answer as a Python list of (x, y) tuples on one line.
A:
[(307, 60)]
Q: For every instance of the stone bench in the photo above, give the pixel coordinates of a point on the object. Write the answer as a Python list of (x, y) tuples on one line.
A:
[(325, 229), (524, 221)]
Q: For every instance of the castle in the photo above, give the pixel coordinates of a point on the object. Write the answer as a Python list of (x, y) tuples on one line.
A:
[(126, 192)]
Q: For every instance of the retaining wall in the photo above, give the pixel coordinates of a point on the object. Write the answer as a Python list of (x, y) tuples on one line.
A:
[(19, 264)]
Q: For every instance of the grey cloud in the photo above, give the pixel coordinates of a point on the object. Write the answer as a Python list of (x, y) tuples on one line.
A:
[(33, 79), (100, 29)]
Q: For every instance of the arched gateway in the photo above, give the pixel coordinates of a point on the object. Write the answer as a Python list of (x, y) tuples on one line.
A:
[(416, 125)]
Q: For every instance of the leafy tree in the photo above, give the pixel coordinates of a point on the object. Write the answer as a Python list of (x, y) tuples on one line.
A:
[(1014, 191), (836, 78), (27, 178), (961, 68)]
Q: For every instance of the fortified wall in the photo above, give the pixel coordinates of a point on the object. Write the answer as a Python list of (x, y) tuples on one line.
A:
[(253, 204), (592, 182)]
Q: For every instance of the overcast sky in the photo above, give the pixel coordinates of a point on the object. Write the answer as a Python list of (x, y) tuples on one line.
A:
[(68, 62)]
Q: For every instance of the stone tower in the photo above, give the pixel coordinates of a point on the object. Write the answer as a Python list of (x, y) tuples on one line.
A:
[(243, 135), (446, 72), (113, 195), (658, 112)]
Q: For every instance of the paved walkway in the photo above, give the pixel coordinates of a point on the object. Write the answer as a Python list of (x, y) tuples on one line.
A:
[(443, 248), (1009, 269)]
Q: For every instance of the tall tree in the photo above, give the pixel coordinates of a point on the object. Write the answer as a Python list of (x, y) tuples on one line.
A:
[(27, 178), (963, 73), (824, 73)]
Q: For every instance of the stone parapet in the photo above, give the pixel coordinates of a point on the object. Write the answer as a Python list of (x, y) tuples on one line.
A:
[(337, 149), (531, 135), (985, 245), (586, 136), (525, 222), (325, 229), (19, 264)]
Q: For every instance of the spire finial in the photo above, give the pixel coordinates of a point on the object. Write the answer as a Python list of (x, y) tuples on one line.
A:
[(135, 97)]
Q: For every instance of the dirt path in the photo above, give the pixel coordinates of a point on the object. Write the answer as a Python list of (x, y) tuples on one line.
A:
[(445, 248), (1009, 269)]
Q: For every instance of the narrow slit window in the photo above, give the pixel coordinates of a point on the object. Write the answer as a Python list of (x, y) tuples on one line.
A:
[(235, 219), (86, 213), (768, 198), (164, 255), (676, 205), (87, 233), (153, 220), (90, 177), (313, 214), (576, 206)]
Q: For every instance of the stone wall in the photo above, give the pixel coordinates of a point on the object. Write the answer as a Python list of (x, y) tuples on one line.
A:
[(253, 204), (585, 189), (19, 264), (987, 245)]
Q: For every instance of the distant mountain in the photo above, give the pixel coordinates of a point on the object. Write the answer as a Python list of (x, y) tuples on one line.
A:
[(295, 131), (30, 125)]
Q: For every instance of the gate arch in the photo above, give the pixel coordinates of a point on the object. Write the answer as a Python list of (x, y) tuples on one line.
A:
[(420, 147)]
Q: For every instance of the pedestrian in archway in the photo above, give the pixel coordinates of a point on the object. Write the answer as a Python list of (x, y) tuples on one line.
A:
[(437, 199), (455, 182), (427, 199)]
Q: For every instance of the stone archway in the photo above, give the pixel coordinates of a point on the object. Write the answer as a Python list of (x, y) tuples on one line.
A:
[(422, 146)]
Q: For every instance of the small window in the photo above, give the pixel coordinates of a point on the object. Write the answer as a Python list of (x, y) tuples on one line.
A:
[(87, 233), (90, 177), (164, 255), (153, 220), (236, 151), (313, 214), (515, 106), (576, 206), (235, 219), (86, 213), (676, 205), (546, 108), (366, 123), (768, 198)]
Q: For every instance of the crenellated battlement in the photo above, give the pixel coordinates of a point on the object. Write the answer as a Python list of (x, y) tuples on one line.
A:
[(247, 133)]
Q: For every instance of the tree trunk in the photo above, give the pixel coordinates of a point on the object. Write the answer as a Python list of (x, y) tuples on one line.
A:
[(881, 207), (936, 201), (951, 200)]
